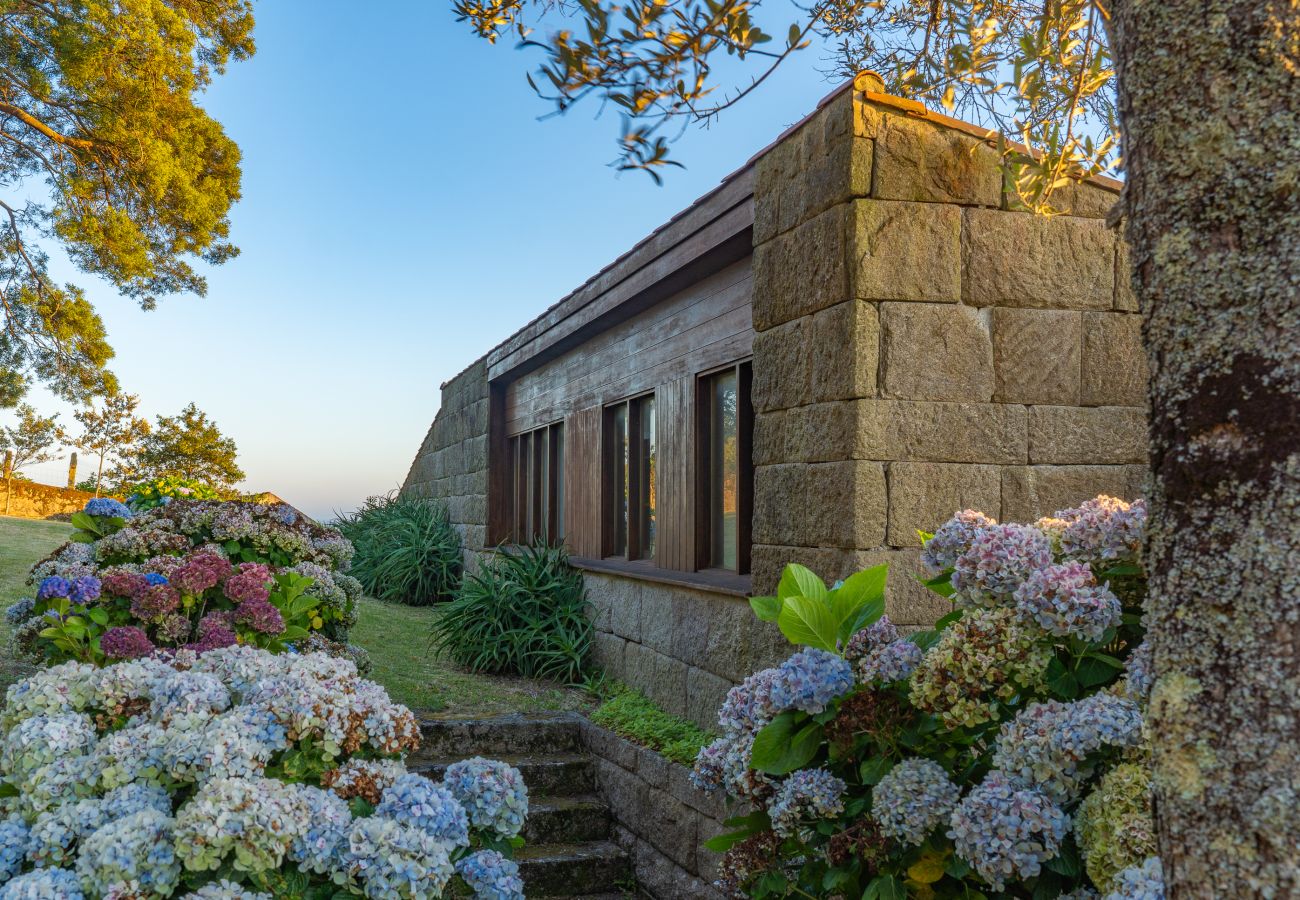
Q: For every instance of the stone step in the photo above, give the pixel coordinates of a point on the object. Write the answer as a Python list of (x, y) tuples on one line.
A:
[(567, 819), (554, 775), (574, 870), (498, 736)]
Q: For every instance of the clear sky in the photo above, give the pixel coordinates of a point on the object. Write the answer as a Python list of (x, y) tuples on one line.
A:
[(404, 210)]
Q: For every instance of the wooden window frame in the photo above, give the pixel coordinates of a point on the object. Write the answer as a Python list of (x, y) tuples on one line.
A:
[(703, 466), (533, 480), (609, 489)]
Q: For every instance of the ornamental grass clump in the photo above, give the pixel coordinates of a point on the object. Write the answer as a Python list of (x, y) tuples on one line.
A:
[(239, 773), (1001, 754), (407, 550), (194, 575), (523, 613)]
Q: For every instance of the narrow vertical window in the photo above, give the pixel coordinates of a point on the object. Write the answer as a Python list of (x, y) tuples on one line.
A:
[(647, 494), (619, 482), (536, 484), (727, 422), (557, 479)]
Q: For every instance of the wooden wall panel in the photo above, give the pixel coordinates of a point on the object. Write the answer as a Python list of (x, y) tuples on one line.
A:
[(676, 490), (707, 325), (582, 497)]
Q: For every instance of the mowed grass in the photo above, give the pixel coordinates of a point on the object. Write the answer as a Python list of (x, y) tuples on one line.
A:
[(397, 638), (23, 542)]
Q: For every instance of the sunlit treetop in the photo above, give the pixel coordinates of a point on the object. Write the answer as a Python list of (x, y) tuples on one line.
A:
[(1037, 72), (105, 152)]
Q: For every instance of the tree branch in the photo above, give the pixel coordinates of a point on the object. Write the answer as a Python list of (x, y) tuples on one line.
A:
[(33, 122)]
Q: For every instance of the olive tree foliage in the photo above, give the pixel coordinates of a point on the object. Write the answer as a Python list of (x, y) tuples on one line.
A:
[(1037, 71), (111, 433), (186, 445), (105, 153)]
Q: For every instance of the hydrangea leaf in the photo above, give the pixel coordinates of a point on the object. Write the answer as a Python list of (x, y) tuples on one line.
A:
[(809, 622), (780, 749), (885, 887), (800, 581), (766, 608)]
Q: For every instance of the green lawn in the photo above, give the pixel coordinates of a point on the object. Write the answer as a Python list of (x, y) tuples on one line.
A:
[(396, 636)]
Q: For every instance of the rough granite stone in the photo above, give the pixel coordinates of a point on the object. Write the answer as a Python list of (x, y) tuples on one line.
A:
[(906, 251), (704, 695), (849, 510), (918, 160), (668, 689), (1031, 492), (922, 496), (1095, 435), (1114, 361), (936, 351), (1023, 260), (1036, 355), (790, 281)]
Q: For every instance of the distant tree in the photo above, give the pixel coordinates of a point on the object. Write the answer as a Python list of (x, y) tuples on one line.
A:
[(105, 152), (189, 445), (32, 439), (112, 433)]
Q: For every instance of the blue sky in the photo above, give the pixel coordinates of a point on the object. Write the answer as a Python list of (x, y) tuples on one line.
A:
[(404, 209)]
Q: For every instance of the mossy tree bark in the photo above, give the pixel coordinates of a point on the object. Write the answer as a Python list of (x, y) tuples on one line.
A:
[(1210, 105)]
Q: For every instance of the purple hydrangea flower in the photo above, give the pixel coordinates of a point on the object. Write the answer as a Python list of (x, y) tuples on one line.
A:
[(952, 539), (809, 680), (260, 615), (251, 582), (1139, 676), (1066, 601), (806, 794), (125, 642), (1104, 529), (914, 798), (1005, 831), (999, 560), (84, 589)]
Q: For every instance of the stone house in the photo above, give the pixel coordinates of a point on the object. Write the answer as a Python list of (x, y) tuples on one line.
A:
[(849, 339)]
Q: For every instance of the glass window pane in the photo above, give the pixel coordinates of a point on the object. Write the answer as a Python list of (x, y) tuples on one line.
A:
[(558, 467), (544, 486), (620, 485), (647, 480), (724, 474)]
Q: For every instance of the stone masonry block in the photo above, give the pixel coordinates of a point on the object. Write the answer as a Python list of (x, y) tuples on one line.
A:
[(802, 271), (845, 504), (936, 351), (1031, 492), (1125, 297), (738, 643), (922, 496), (1114, 361), (657, 617), (778, 516), (942, 432), (906, 251), (704, 695), (607, 653), (782, 363), (691, 609), (918, 160), (1081, 198), (625, 606), (639, 667), (844, 352), (1036, 355), (668, 688), (1023, 260), (1095, 435)]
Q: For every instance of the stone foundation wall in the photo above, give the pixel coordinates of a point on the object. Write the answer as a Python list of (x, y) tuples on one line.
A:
[(452, 463), (29, 500), (661, 819), (922, 349)]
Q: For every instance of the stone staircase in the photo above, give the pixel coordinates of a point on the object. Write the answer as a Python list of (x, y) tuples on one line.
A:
[(569, 851)]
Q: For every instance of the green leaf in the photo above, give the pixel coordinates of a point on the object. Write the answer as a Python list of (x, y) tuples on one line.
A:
[(925, 639), (1060, 681), (779, 748), (885, 887), (800, 581), (874, 769), (939, 584), (98, 615), (84, 522), (945, 621), (1092, 671), (1066, 862), (809, 622), (83, 537), (746, 826), (766, 608)]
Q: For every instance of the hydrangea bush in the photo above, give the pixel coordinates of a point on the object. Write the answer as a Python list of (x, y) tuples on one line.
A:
[(1001, 754), (238, 773), (188, 574)]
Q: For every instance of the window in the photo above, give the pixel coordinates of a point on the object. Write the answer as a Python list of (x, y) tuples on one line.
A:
[(726, 472), (537, 485), (630, 478)]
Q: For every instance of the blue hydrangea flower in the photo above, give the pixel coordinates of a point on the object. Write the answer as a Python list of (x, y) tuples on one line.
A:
[(55, 833), (21, 611), (1144, 882), (136, 849), (1138, 674), (806, 794), (13, 846), (225, 890), (416, 801), (43, 884), (1005, 831), (396, 861), (154, 578), (320, 848), (107, 506), (492, 794), (952, 539), (130, 799), (895, 661), (84, 590), (914, 798), (54, 586), (809, 680), (491, 876)]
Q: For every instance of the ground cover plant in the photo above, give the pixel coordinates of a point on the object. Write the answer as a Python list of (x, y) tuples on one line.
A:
[(407, 550), (1002, 754), (524, 613), (630, 713), (238, 773), (188, 574)]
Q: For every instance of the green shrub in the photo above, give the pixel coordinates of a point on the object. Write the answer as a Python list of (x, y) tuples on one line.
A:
[(407, 550), (634, 716), (523, 613), (160, 491)]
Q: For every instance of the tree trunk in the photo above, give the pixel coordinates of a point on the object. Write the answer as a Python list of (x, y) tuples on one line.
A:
[(1210, 105)]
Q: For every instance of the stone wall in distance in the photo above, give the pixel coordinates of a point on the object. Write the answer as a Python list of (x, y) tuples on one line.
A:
[(29, 500)]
